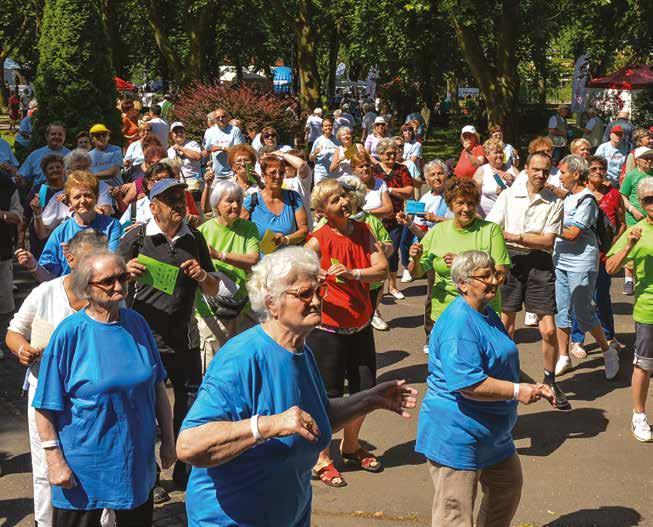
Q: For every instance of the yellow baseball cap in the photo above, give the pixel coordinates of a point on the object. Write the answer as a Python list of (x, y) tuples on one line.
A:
[(98, 129)]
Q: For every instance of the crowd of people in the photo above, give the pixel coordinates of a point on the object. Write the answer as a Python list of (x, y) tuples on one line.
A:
[(249, 275)]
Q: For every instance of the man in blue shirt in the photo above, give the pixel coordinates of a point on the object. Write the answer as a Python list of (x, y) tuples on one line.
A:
[(106, 159), (614, 152), (281, 78), (8, 161), (217, 141), (30, 172)]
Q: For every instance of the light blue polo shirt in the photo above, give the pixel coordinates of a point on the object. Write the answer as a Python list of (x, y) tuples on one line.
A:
[(31, 167), (225, 137), (7, 155), (105, 159)]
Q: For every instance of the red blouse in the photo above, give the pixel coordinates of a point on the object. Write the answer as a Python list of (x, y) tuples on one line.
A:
[(347, 305), (398, 177), (609, 204)]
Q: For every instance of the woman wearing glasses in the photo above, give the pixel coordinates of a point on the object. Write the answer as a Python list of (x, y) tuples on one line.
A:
[(100, 394), (262, 414), (466, 420), (343, 343)]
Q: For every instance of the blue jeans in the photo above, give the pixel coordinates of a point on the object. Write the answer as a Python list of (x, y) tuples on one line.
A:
[(407, 239), (574, 291), (603, 307)]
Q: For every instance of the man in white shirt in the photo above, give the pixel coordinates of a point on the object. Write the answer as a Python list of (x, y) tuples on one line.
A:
[(367, 123), (217, 141), (531, 217), (189, 153), (558, 132), (593, 130), (614, 152), (313, 128), (160, 128)]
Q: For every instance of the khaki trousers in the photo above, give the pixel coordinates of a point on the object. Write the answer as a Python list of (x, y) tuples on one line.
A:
[(455, 494)]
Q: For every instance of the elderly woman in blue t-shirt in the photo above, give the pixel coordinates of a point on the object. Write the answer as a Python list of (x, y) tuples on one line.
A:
[(470, 407), (262, 414), (100, 393)]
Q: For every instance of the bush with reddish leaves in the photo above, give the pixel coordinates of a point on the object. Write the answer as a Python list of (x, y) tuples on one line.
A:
[(244, 103)]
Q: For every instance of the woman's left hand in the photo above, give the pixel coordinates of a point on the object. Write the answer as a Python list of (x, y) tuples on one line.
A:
[(394, 396), (338, 270), (168, 453), (192, 269)]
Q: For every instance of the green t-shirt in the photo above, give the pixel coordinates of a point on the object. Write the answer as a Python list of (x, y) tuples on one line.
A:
[(642, 256), (445, 238), (629, 189), (240, 238)]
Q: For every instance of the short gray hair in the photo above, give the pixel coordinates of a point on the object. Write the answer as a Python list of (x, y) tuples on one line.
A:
[(467, 262), (356, 190), (576, 165), (342, 130), (81, 276), (274, 273), (226, 188), (436, 163), (76, 156), (644, 187), (86, 242), (384, 144)]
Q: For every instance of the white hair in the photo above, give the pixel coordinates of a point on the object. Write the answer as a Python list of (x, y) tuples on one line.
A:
[(436, 163), (228, 188), (317, 111), (356, 190), (274, 273), (337, 113), (466, 263), (82, 274)]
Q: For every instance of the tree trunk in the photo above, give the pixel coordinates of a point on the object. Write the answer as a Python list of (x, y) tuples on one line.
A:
[(169, 55), (334, 44)]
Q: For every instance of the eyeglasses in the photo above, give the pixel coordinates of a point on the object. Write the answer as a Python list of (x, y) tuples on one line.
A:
[(111, 280), (273, 173), (597, 169), (500, 276), (646, 200), (242, 161), (305, 294), (390, 154), (269, 136), (220, 117)]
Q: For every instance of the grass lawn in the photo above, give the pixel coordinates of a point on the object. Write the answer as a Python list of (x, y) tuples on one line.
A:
[(442, 144), (8, 137)]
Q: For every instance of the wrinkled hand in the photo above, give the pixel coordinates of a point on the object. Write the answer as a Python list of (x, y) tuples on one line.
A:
[(529, 393), (430, 217), (637, 215), (634, 236), (167, 453), (339, 270), (209, 176), (292, 421), (59, 472), (28, 355), (35, 204), (394, 396), (135, 268), (25, 258), (192, 269), (404, 219), (62, 198), (449, 258), (317, 150), (193, 220), (280, 239), (415, 251)]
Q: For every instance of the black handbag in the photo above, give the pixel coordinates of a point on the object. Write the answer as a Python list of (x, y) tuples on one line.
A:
[(225, 307)]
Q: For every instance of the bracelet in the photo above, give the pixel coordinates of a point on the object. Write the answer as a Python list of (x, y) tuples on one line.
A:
[(253, 424), (54, 443), (515, 391), (202, 280), (356, 274), (223, 256), (286, 240)]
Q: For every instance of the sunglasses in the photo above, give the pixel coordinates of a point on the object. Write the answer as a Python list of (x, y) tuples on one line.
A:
[(390, 154), (269, 136), (111, 280), (100, 135), (305, 294), (646, 200)]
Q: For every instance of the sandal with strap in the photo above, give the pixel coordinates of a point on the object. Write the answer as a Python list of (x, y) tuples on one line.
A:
[(327, 474), (363, 459)]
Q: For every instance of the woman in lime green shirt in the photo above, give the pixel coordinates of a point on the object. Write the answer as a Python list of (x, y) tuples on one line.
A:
[(465, 232), (234, 249)]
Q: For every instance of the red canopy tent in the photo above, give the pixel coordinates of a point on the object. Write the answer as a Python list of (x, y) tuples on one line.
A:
[(123, 85), (628, 78)]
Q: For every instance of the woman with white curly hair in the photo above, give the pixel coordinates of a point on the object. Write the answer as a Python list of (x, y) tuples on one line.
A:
[(262, 414)]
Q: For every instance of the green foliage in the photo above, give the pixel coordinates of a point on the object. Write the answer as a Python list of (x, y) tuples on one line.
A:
[(74, 84), (643, 108)]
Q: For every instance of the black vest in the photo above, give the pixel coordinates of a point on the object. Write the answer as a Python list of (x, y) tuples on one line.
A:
[(7, 230)]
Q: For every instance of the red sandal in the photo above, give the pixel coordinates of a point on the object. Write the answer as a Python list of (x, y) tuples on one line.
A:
[(363, 459), (327, 474)]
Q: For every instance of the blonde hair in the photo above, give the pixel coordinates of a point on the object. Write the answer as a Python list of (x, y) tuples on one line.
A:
[(322, 191), (82, 179), (492, 145), (576, 143)]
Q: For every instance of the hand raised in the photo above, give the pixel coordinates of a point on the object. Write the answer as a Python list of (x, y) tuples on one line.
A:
[(292, 421)]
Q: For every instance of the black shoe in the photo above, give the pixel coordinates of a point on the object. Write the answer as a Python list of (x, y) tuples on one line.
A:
[(629, 289), (560, 402), (160, 495)]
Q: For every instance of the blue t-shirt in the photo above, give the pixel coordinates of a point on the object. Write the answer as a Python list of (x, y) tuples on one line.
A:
[(265, 219), (225, 137), (580, 255), (105, 159), (52, 257), (31, 167), (7, 155), (268, 484), (99, 382), (465, 348), (282, 79), (25, 127)]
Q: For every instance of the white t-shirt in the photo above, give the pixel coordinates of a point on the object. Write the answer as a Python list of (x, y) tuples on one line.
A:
[(435, 204), (314, 125), (303, 188), (374, 198), (161, 130), (143, 212), (47, 302), (189, 169)]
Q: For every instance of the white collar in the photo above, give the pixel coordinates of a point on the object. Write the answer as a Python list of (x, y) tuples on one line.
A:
[(152, 229)]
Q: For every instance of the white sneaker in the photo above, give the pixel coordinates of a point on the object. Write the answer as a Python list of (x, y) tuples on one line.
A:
[(426, 349), (406, 277), (611, 358), (398, 295), (530, 319), (640, 428), (378, 322), (563, 365)]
